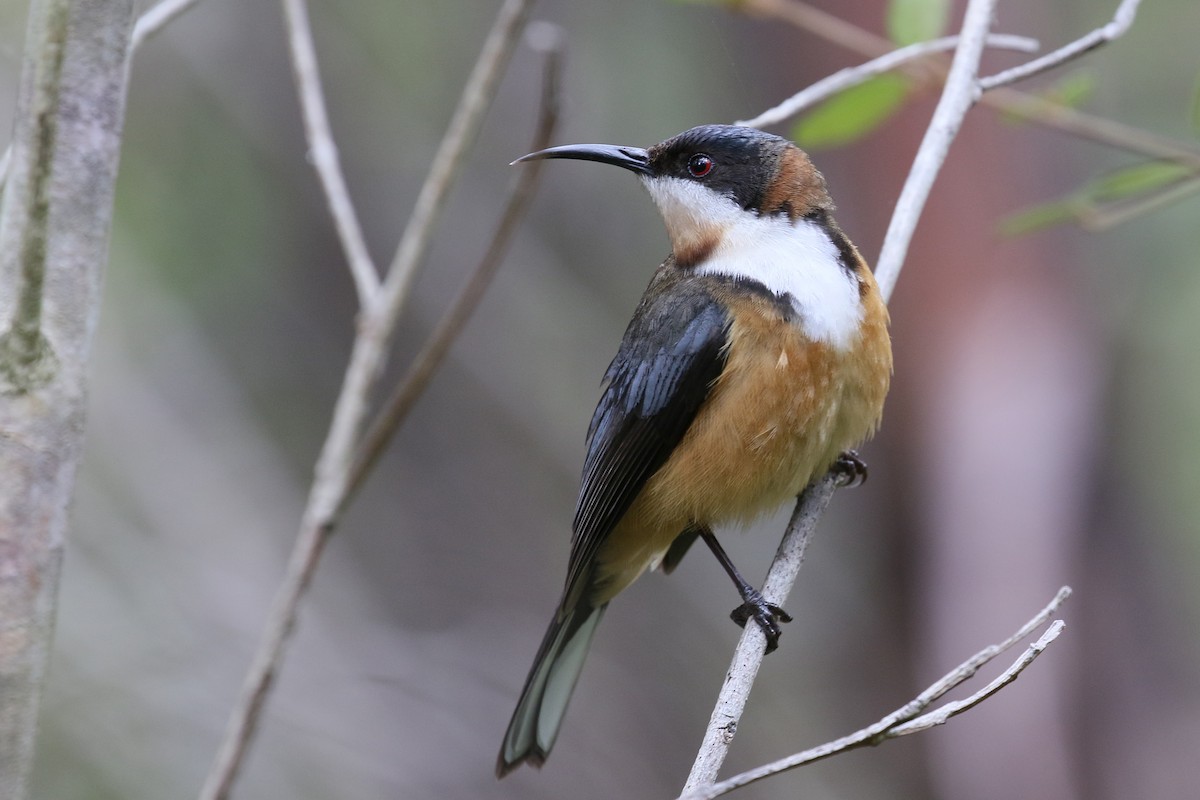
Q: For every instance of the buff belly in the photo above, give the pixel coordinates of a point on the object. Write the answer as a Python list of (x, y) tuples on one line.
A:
[(782, 411)]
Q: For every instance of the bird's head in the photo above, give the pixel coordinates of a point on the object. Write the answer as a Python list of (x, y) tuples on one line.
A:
[(711, 178)]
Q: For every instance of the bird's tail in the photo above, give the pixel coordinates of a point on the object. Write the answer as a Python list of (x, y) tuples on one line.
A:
[(534, 725)]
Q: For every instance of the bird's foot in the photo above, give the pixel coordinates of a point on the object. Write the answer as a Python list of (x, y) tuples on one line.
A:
[(767, 615), (850, 469)]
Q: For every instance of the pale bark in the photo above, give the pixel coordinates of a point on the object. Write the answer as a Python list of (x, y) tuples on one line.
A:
[(54, 228)]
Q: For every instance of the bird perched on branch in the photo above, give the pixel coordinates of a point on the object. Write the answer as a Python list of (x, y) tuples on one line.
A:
[(757, 357)]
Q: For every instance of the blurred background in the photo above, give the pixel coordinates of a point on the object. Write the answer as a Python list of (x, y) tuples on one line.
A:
[(1041, 431)]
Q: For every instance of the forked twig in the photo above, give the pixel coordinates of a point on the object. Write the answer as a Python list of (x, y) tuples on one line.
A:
[(912, 716), (367, 357), (844, 79), (1121, 22), (547, 38)]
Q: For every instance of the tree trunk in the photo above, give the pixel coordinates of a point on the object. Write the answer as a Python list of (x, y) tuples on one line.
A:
[(54, 227)]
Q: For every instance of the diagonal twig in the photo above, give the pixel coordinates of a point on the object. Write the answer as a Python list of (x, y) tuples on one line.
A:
[(367, 357), (1122, 19), (852, 76), (910, 718), (546, 37), (751, 647), (324, 154), (957, 98), (446, 165), (155, 18), (1033, 108)]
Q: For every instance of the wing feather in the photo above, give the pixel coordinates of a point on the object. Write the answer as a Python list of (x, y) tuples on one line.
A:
[(672, 352)]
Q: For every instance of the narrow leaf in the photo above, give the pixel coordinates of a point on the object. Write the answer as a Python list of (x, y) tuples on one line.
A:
[(1138, 179), (854, 113), (1040, 217), (1073, 90), (911, 21)]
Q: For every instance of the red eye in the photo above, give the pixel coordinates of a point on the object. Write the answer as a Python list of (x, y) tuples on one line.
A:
[(700, 165)]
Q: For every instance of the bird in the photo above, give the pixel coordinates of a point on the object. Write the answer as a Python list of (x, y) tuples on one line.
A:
[(757, 358)]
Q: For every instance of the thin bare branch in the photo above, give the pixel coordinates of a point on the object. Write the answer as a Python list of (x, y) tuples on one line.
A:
[(1035, 109), (154, 19), (1101, 219), (1121, 21), (941, 715), (367, 357), (547, 38), (450, 156), (324, 154), (957, 98), (829, 27), (1056, 116), (751, 647), (852, 76), (905, 720)]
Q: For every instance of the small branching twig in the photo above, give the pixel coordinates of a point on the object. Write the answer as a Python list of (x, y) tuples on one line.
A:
[(844, 79), (324, 154), (547, 38), (1033, 108), (155, 18), (1121, 21), (912, 716), (368, 355)]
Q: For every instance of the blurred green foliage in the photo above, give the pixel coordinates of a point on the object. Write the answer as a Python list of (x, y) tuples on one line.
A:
[(912, 21)]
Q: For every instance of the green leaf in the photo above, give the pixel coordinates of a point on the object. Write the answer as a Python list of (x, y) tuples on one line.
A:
[(911, 21), (847, 117), (1073, 90), (1040, 217), (1138, 179)]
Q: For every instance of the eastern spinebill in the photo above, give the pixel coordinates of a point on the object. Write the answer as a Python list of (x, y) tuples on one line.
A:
[(757, 357)]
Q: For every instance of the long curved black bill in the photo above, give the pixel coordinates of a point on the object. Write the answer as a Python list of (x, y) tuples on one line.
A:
[(631, 158)]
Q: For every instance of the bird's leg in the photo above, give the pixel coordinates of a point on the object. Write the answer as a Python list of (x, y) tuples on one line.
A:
[(850, 469), (754, 605)]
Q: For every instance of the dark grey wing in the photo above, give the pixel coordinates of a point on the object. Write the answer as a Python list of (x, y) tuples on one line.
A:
[(673, 351)]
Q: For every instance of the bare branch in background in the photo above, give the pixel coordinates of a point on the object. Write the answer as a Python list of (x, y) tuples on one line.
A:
[(852, 76), (1122, 19), (1035, 109), (751, 647), (154, 19), (338, 455), (324, 154), (957, 98), (910, 718), (546, 38)]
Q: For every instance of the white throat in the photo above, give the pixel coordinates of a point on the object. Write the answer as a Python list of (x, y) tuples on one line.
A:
[(797, 259)]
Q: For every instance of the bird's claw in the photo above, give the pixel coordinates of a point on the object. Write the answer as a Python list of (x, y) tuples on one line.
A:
[(850, 469), (767, 615)]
